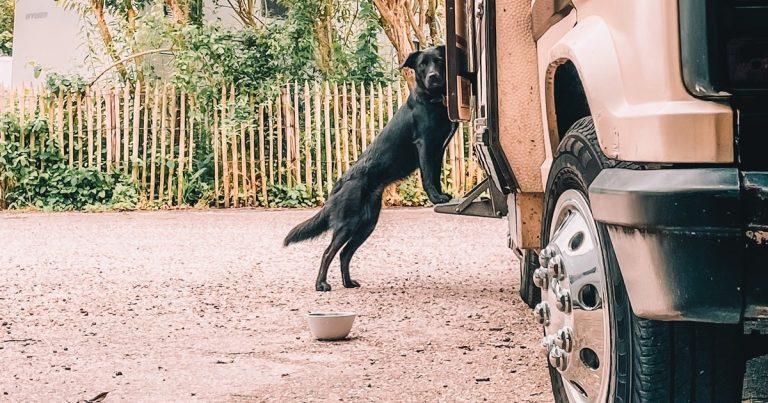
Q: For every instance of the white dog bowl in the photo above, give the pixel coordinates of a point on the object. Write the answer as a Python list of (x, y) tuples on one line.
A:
[(330, 325)]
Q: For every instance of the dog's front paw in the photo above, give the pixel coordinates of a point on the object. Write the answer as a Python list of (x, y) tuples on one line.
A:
[(323, 286), (440, 198), (351, 284)]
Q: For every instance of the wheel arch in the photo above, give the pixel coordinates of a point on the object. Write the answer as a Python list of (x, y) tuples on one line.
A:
[(566, 100)]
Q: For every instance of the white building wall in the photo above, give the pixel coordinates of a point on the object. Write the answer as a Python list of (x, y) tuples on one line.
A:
[(47, 34)]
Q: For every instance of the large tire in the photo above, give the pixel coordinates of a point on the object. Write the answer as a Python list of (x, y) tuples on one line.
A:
[(651, 361)]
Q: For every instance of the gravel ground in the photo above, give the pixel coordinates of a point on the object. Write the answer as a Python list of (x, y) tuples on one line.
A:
[(208, 305)]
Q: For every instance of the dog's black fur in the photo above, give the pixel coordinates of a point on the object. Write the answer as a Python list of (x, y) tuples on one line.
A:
[(415, 137)]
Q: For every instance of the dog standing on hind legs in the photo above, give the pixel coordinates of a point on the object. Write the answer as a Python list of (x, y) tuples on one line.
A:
[(415, 137)]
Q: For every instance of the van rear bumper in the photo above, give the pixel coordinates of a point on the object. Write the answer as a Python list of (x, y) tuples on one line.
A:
[(683, 238)]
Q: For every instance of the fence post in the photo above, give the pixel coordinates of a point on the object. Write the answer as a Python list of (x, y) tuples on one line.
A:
[(79, 131), (328, 156), (318, 135), (336, 134), (71, 127), (243, 163), (163, 128), (135, 135), (287, 117), (307, 138), (109, 105), (279, 117), (60, 120), (182, 148), (233, 135), (193, 108), (345, 126), (98, 129), (372, 111), (155, 108), (380, 94), (363, 124), (215, 147), (117, 122), (252, 149), (297, 132), (147, 98), (223, 133), (389, 102), (126, 134), (354, 135), (262, 164), (89, 124), (171, 159), (22, 113)]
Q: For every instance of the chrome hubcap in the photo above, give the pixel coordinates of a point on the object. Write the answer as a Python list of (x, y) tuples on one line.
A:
[(572, 280)]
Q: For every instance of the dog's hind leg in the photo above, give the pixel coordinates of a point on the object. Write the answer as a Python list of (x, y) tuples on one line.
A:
[(362, 233), (339, 239)]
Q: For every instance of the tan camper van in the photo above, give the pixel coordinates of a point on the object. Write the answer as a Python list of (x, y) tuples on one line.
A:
[(626, 141)]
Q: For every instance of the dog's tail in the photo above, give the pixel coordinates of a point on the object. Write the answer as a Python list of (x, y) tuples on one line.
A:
[(309, 229)]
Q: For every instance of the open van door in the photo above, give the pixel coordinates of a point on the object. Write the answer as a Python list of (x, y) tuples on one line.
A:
[(458, 59), (471, 92)]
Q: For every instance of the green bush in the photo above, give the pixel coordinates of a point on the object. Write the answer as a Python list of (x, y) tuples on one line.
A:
[(294, 196), (44, 180)]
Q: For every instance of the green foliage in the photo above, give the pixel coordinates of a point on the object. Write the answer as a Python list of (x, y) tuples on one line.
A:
[(120, 6), (367, 64), (411, 192), (198, 186), (6, 26), (74, 83), (6, 43), (296, 196), (295, 40), (43, 179), (209, 56)]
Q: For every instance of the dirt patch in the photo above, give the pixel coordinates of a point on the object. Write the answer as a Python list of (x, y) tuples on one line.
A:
[(209, 306)]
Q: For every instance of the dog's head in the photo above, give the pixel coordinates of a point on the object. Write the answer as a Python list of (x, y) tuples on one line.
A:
[(429, 66)]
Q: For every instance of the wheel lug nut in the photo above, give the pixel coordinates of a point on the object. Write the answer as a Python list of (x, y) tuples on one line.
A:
[(555, 267), (563, 302), (558, 358), (540, 278), (541, 312), (547, 342), (564, 339), (544, 256)]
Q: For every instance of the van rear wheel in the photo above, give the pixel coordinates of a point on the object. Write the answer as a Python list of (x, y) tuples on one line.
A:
[(597, 349)]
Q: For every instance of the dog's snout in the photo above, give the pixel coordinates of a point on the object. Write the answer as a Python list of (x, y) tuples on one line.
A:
[(434, 78)]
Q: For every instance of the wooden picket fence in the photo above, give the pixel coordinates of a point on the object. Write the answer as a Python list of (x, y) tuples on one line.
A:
[(308, 134)]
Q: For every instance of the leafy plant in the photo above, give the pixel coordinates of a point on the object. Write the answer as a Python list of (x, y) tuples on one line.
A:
[(295, 196), (56, 82), (6, 26), (44, 180), (411, 192)]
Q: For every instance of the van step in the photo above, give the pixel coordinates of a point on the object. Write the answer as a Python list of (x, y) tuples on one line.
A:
[(473, 204)]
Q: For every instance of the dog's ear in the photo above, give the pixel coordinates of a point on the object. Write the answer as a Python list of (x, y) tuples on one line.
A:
[(441, 50), (410, 62)]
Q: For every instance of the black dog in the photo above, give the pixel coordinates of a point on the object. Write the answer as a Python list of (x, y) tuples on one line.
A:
[(415, 137)]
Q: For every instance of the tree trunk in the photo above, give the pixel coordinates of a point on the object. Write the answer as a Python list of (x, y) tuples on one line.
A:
[(324, 34), (130, 13), (177, 10), (398, 29), (431, 21), (97, 7)]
